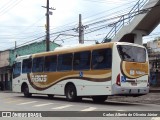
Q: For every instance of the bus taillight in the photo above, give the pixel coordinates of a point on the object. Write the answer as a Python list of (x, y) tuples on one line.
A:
[(118, 80)]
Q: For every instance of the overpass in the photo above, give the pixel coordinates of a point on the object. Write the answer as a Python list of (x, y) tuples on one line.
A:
[(140, 21)]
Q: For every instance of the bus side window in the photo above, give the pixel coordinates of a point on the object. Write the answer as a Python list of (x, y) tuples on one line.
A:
[(101, 59), (65, 62), (82, 60), (50, 63), (27, 65), (38, 64), (17, 69)]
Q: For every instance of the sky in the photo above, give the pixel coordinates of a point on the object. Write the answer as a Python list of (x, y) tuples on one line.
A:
[(24, 21)]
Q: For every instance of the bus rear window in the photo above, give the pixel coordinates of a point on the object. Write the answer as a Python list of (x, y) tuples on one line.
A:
[(132, 53)]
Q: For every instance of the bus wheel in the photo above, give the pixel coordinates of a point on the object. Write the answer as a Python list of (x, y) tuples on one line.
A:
[(71, 93), (26, 91), (99, 99)]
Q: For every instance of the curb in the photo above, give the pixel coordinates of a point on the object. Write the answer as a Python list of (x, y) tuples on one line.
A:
[(154, 91), (6, 91)]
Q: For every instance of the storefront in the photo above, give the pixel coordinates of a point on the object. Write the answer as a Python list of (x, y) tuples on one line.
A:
[(154, 61), (5, 78)]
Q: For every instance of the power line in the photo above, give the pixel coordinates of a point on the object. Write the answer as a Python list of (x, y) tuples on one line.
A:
[(97, 28), (102, 12), (4, 6), (104, 1), (9, 7), (53, 28)]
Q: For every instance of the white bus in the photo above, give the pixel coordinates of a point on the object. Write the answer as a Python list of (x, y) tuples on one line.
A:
[(96, 71)]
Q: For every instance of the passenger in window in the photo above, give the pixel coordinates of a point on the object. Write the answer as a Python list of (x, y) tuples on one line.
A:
[(98, 61)]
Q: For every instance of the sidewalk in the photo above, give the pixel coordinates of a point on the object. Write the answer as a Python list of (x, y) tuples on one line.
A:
[(154, 90), (153, 97)]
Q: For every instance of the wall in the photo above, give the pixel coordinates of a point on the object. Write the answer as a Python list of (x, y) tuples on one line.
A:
[(4, 58), (30, 49), (154, 45)]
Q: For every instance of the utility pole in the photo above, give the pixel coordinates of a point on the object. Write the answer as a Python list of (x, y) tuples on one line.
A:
[(16, 55), (15, 44), (81, 30), (47, 28), (48, 25)]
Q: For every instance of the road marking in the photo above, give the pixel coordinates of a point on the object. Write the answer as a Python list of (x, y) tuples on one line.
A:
[(155, 118), (62, 107), (27, 103), (89, 109), (120, 110), (40, 105)]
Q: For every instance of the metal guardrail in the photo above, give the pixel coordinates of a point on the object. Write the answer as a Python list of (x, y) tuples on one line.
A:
[(125, 20)]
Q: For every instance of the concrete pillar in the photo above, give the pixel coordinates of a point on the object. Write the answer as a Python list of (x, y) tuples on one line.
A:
[(138, 38), (138, 34)]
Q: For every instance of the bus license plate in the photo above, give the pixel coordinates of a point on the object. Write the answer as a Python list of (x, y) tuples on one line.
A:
[(133, 84)]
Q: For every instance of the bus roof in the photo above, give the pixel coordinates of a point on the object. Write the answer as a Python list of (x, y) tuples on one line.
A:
[(20, 58), (77, 48)]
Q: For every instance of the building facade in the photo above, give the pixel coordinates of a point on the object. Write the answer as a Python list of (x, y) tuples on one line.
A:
[(7, 58), (154, 61), (5, 70)]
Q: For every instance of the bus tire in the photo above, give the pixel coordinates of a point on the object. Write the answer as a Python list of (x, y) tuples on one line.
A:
[(99, 99), (26, 91), (71, 93)]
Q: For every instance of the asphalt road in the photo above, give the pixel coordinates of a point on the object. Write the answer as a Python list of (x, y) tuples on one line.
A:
[(17, 102)]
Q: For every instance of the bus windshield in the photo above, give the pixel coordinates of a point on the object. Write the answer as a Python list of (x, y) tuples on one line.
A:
[(132, 53)]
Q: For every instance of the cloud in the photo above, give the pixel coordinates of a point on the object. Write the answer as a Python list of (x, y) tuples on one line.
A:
[(64, 13), (27, 18)]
